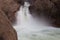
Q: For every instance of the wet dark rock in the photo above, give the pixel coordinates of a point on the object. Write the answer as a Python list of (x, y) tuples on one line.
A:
[(50, 9), (20, 1), (30, 1)]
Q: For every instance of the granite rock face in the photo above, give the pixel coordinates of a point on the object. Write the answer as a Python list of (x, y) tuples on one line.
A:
[(7, 32), (50, 9), (10, 7)]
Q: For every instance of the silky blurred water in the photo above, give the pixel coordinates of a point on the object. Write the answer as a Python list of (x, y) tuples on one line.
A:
[(30, 28)]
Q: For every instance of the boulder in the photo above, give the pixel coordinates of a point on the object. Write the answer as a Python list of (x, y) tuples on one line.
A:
[(10, 7), (50, 9), (7, 32)]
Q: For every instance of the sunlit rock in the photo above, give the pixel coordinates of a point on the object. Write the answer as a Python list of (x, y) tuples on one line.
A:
[(10, 7), (7, 32)]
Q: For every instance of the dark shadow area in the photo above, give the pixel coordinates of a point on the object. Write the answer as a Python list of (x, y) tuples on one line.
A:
[(1, 38)]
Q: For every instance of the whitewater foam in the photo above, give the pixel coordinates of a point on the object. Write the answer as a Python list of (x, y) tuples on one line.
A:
[(30, 28)]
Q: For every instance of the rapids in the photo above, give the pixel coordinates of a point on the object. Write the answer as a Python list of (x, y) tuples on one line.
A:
[(30, 28)]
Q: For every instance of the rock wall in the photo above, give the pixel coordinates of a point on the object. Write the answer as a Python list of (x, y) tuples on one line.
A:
[(10, 7), (7, 32), (50, 9)]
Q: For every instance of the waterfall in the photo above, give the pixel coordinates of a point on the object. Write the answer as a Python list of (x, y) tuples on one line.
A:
[(30, 28)]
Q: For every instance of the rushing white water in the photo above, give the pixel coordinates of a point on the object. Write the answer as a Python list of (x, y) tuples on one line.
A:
[(30, 28)]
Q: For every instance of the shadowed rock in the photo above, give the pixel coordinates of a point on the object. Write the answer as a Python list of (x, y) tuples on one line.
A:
[(50, 9), (7, 32)]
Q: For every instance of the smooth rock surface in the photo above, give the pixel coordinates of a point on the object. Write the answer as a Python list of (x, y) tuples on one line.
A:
[(7, 32), (10, 7)]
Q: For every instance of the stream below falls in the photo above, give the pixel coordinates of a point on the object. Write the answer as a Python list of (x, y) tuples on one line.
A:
[(30, 28)]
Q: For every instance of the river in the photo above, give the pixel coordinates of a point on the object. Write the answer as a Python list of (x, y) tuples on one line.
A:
[(30, 28)]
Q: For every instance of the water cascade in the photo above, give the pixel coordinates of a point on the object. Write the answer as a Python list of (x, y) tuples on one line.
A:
[(30, 28)]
